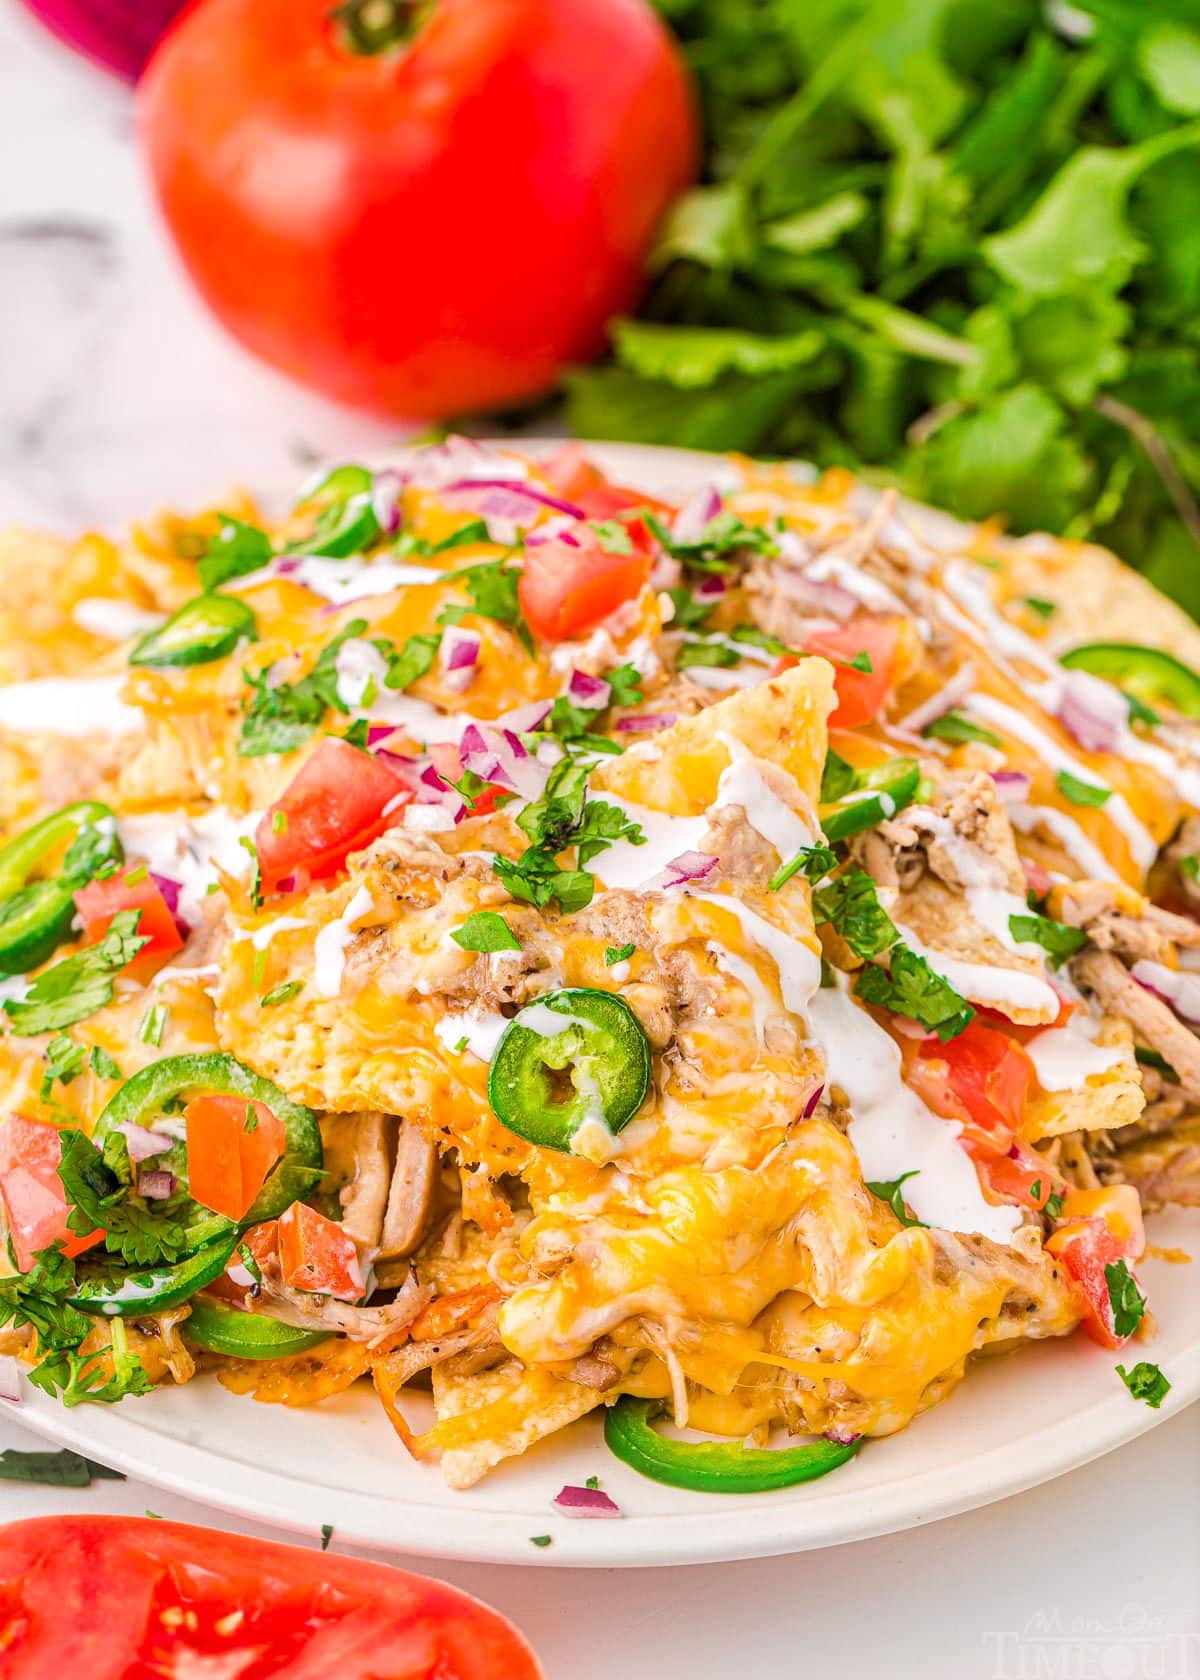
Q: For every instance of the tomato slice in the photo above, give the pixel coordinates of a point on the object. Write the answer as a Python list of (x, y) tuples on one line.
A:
[(130, 889), (35, 1203), (1010, 1174), (127, 1598), (1102, 1227), (337, 803), (318, 1255), (570, 582), (860, 694), (988, 1073), (232, 1145)]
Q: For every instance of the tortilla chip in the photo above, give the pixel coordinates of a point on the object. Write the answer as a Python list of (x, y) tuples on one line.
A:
[(492, 1415), (1109, 1099)]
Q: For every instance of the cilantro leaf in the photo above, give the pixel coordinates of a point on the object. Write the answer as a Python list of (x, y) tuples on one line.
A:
[(707, 653), (40, 1298), (953, 726), (54, 1469), (1079, 792), (1057, 939), (97, 1200), (625, 681), (913, 989), (485, 930), (890, 1190), (411, 661), (64, 1062), (1145, 1382), (612, 535), (78, 986), (280, 717), (536, 878), (618, 954), (813, 861), (724, 541), (837, 779), (1126, 1299), (690, 611), (492, 586), (850, 904), (101, 1376), (283, 993)]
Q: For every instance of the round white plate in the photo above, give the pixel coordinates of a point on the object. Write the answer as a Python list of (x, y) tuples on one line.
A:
[(1016, 1421)]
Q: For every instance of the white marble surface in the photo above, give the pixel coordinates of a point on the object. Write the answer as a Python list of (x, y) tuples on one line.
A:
[(117, 392)]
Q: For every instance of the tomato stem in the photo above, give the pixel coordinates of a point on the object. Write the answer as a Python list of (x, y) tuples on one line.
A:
[(369, 27)]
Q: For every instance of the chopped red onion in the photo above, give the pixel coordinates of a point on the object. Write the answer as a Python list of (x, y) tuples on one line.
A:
[(119, 34), (1181, 991), (458, 655), (517, 500), (10, 1379), (696, 515), (169, 888), (287, 565), (592, 693), (951, 694), (810, 594), (525, 719), (460, 460), (1092, 711), (156, 1186), (387, 487), (710, 588), (810, 1106), (843, 1437), (555, 530), (377, 732), (637, 722), (141, 1142), (1013, 786), (585, 1502), (499, 755), (688, 866)]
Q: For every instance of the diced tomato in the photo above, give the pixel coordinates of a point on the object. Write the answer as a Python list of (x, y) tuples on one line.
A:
[(337, 803), (232, 1145), (1012, 1175), (130, 889), (318, 1255), (572, 581), (1022, 1033), (263, 1244), (860, 694), (35, 1203), (988, 1073), (131, 1598), (1103, 1226)]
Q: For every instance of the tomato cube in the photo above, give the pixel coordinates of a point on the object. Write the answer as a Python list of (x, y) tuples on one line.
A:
[(35, 1203), (232, 1144), (318, 1255)]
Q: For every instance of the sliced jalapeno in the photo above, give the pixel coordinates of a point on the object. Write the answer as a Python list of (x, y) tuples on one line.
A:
[(36, 916), (168, 1084), (1148, 674), (206, 628), (713, 1466), (348, 523), (131, 1292), (245, 1335), (573, 1056), (878, 793)]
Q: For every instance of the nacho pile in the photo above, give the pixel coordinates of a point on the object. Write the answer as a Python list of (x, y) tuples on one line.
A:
[(498, 931)]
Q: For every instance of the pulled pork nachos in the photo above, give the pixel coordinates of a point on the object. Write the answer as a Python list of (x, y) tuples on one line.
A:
[(499, 931)]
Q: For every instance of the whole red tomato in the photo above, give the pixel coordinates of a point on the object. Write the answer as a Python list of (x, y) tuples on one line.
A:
[(432, 227)]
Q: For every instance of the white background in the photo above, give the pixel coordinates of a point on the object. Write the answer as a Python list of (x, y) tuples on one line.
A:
[(115, 393)]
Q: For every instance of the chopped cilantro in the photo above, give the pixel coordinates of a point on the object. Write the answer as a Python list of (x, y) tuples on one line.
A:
[(690, 611), (719, 547), (153, 1021), (281, 994), (696, 651), (953, 726), (256, 892), (1145, 1382), (860, 662), (915, 990), (592, 1482), (1044, 609), (1189, 867), (850, 904), (74, 1376), (1127, 1301), (889, 1190), (102, 1064), (98, 1200), (279, 822), (837, 779), (80, 985), (1081, 793), (358, 734), (280, 717), (613, 537), (813, 861), (64, 1062), (625, 681), (326, 1535), (492, 586), (536, 878), (1053, 1206), (411, 661), (539, 1539), (54, 1469), (751, 636), (1057, 939), (474, 531), (618, 954), (485, 930)]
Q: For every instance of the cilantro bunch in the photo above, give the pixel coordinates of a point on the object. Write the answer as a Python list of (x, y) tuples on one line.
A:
[(949, 242)]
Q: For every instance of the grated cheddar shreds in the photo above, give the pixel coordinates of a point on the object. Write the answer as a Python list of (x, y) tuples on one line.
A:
[(711, 950)]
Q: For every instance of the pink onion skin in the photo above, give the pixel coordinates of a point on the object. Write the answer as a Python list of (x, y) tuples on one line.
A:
[(641, 722), (156, 1186), (10, 1379), (120, 35), (585, 1502), (810, 1106), (1013, 786), (1092, 712), (142, 1143), (1180, 991)]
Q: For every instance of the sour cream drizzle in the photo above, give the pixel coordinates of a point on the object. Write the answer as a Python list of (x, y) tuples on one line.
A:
[(329, 947), (70, 706)]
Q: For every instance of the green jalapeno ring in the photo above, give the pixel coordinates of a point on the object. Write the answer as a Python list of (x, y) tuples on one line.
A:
[(347, 524), (205, 628), (713, 1466), (134, 1291), (879, 793), (1149, 674), (36, 916), (239, 1334), (173, 1079), (546, 1080)]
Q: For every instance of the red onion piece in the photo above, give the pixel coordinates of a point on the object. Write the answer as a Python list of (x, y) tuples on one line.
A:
[(156, 1186), (696, 515), (555, 530), (169, 888), (141, 1142), (498, 755), (1092, 711), (592, 693), (10, 1379), (843, 1437), (810, 1106), (119, 34), (710, 588), (287, 565), (387, 487), (688, 866), (585, 1502), (458, 654), (515, 500), (810, 594), (1181, 991), (1013, 786), (955, 690), (637, 722), (525, 719)]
